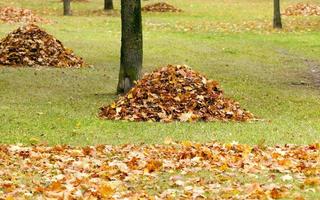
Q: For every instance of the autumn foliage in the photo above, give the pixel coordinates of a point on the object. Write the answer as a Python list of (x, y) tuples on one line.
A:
[(31, 46), (14, 15), (302, 9), (160, 7), (170, 171), (175, 93)]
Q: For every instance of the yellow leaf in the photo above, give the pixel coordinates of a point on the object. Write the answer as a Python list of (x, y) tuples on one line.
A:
[(9, 198), (312, 181), (130, 96), (106, 191), (224, 167), (113, 105), (186, 143)]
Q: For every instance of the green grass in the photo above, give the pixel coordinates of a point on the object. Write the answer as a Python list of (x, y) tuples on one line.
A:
[(262, 70)]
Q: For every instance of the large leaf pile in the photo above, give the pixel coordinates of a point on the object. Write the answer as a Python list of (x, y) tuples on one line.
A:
[(173, 171), (31, 46), (14, 15), (175, 93), (160, 7), (304, 9)]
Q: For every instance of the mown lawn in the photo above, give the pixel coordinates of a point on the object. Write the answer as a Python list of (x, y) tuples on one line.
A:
[(271, 73)]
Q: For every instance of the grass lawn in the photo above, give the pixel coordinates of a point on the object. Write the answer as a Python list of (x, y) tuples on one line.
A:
[(271, 73)]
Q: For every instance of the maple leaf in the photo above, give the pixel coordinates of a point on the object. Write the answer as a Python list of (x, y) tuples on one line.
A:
[(277, 193), (153, 165), (56, 186), (106, 191)]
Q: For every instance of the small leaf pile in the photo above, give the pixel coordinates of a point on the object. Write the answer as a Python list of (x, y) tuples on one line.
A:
[(15, 15), (160, 7), (183, 170), (175, 93), (31, 46), (303, 9), (80, 1)]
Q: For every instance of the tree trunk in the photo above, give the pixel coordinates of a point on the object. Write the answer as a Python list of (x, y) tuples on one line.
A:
[(67, 8), (108, 4), (277, 15), (131, 45)]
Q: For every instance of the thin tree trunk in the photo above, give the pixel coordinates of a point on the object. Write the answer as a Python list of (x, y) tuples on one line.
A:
[(67, 7), (108, 4), (131, 45), (277, 15)]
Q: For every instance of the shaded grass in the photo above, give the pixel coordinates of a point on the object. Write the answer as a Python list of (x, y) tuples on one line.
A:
[(260, 70)]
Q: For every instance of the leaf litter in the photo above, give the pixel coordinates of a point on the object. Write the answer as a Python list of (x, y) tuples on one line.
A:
[(175, 93), (31, 46), (160, 7), (302, 9), (184, 170), (15, 15)]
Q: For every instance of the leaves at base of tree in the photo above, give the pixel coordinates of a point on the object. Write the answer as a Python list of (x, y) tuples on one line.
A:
[(175, 93)]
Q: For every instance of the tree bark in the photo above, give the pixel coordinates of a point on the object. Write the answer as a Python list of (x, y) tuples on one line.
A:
[(277, 15), (67, 7), (108, 4), (131, 45)]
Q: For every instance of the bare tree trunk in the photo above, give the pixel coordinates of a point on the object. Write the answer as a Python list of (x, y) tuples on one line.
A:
[(277, 15), (67, 7), (108, 4), (131, 45)]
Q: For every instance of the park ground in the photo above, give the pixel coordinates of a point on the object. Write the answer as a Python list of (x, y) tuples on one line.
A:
[(273, 74)]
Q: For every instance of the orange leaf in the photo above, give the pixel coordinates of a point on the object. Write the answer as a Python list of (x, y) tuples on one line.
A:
[(153, 165)]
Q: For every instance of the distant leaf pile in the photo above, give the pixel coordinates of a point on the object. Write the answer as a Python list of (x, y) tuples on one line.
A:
[(31, 46), (160, 7), (173, 171), (303, 9), (14, 15), (80, 1), (175, 93)]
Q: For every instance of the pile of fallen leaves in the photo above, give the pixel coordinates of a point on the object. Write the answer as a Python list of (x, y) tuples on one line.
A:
[(81, 1), (175, 93), (14, 15), (160, 7), (304, 9), (31, 46), (173, 171)]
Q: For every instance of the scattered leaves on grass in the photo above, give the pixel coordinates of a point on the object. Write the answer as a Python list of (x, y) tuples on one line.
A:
[(14, 15), (174, 171), (303, 9), (290, 24), (175, 93), (31, 46), (160, 7)]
